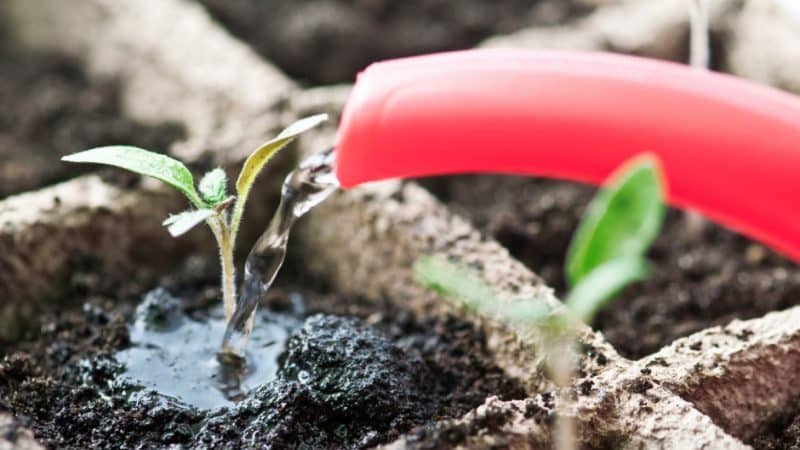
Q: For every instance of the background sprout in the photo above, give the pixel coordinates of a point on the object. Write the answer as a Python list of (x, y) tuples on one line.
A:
[(210, 200), (608, 249), (606, 254)]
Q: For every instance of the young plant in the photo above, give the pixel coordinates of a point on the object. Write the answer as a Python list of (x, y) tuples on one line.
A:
[(607, 253), (210, 201), (608, 249)]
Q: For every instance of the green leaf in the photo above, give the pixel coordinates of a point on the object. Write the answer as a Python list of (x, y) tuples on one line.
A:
[(256, 161), (214, 186), (180, 223), (473, 294), (143, 162), (602, 284), (622, 221)]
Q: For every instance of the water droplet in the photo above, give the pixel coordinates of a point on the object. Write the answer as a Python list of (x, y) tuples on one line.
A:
[(304, 377)]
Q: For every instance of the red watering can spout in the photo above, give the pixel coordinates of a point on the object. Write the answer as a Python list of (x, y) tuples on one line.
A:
[(729, 148)]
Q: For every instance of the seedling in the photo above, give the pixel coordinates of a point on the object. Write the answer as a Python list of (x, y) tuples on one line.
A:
[(210, 201), (608, 249), (606, 254)]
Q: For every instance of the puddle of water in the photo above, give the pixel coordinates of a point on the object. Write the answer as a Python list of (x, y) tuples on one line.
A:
[(176, 355)]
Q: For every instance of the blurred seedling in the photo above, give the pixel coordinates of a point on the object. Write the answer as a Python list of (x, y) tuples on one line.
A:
[(607, 253)]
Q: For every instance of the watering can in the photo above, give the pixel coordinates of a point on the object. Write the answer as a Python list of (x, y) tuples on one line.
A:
[(729, 148)]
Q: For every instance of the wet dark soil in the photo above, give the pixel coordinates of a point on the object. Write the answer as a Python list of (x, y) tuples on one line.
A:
[(329, 41), (701, 277), (355, 374), (784, 434), (50, 108)]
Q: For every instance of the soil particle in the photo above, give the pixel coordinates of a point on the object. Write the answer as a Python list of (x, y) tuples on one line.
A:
[(50, 108), (357, 370), (640, 385), (700, 279), (329, 41)]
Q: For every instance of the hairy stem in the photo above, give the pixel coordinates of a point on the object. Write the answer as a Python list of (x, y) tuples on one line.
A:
[(236, 215), (222, 233), (228, 272)]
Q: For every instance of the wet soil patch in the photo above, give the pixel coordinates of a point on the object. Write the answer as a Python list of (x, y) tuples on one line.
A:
[(329, 41), (50, 108), (343, 381), (701, 277)]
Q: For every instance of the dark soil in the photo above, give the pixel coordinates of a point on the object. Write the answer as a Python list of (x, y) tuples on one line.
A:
[(700, 278), (329, 41), (784, 434), (50, 108), (343, 382)]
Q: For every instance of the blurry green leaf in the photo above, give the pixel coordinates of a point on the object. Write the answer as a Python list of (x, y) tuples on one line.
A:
[(179, 224), (256, 161), (214, 186), (450, 280), (144, 162), (622, 221), (473, 294), (603, 283)]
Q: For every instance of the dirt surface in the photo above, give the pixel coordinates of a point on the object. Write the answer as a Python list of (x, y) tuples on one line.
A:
[(700, 279), (50, 109), (63, 383), (329, 41), (784, 434)]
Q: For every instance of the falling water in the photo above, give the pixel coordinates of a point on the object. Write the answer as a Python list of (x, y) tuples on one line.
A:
[(304, 188)]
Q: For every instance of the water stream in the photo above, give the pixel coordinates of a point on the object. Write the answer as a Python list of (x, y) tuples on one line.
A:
[(308, 185)]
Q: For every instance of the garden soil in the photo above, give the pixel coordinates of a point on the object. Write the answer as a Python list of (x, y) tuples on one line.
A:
[(330, 41), (50, 108), (61, 382)]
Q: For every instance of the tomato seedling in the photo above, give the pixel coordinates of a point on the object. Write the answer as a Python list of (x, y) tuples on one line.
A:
[(210, 201)]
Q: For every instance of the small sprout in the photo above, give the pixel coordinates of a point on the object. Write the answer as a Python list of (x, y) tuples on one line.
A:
[(212, 201), (213, 186), (606, 254)]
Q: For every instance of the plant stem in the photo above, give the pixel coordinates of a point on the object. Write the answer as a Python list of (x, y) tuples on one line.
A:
[(222, 233), (562, 367), (228, 271), (236, 215)]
